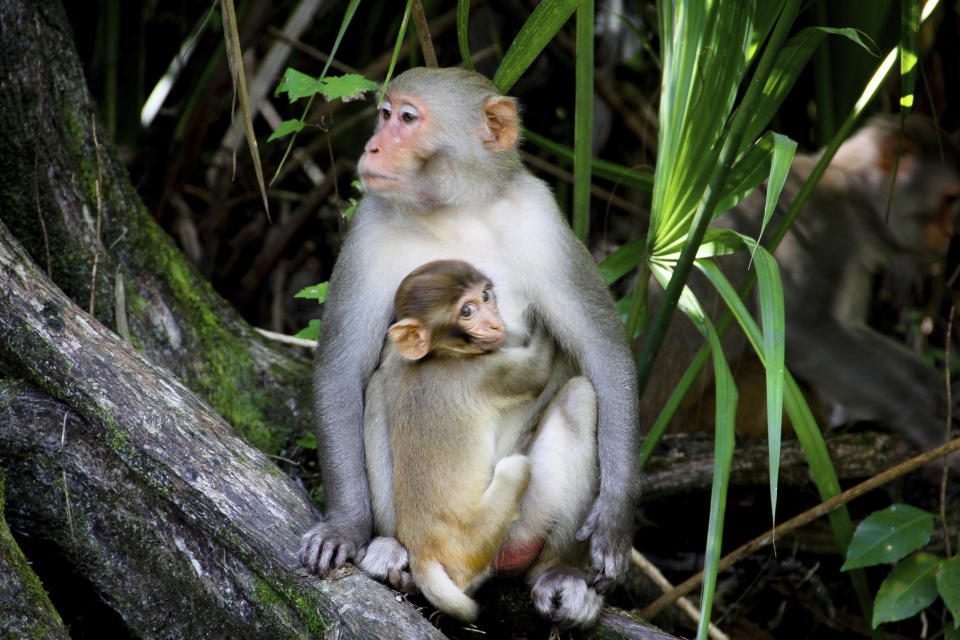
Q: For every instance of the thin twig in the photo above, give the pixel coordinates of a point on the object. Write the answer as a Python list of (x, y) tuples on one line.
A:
[(63, 471), (804, 518), (946, 437), (423, 32), (96, 239)]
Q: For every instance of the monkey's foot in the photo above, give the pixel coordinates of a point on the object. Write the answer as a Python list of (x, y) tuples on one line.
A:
[(386, 560), (564, 597), (328, 546)]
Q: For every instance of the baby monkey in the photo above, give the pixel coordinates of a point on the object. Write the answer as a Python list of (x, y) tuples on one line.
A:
[(437, 402)]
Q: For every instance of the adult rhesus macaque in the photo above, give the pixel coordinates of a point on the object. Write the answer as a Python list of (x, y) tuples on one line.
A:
[(435, 409), (842, 239), (444, 180)]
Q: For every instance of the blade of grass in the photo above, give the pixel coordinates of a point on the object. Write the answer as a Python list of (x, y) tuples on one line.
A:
[(535, 34), (725, 418), (463, 16), (600, 168), (583, 121), (235, 59)]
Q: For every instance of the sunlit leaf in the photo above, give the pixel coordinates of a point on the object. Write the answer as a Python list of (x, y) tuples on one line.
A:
[(350, 86), (311, 332), (783, 150), (910, 588), (909, 28), (317, 292), (297, 84), (751, 169), (790, 62), (887, 535)]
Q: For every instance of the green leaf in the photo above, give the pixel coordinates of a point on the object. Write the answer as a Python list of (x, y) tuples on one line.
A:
[(790, 62), (536, 33), (317, 292), (948, 584), (297, 84), (311, 332), (888, 535), (350, 86), (286, 128), (783, 150), (308, 441), (623, 260), (751, 168), (908, 589)]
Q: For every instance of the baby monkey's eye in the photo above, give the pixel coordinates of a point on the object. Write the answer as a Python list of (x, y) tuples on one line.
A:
[(485, 296), (467, 310)]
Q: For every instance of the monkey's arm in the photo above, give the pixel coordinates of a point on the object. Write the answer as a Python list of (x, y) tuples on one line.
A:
[(525, 367), (577, 308), (354, 323)]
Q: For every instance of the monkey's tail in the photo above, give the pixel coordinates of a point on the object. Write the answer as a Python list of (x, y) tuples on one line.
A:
[(442, 592)]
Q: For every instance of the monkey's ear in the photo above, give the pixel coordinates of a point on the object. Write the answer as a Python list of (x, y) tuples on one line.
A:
[(503, 127), (411, 337)]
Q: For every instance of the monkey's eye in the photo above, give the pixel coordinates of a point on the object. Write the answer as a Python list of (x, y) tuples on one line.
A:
[(385, 111), (467, 310), (485, 296), (409, 115)]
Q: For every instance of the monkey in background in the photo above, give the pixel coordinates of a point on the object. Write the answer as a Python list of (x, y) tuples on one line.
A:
[(443, 178), (440, 404), (838, 243)]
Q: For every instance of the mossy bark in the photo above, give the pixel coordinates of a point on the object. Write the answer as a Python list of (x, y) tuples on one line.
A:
[(67, 198), (25, 609)]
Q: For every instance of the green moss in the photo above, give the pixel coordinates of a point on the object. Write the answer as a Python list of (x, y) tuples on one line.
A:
[(33, 601), (280, 600)]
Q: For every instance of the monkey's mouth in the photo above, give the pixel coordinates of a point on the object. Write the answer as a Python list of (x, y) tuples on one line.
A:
[(376, 177), (489, 344)]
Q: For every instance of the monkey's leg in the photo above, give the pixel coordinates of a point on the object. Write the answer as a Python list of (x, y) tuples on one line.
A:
[(499, 503), (562, 488), (385, 558)]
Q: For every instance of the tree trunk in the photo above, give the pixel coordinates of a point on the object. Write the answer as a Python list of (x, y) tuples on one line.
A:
[(66, 197)]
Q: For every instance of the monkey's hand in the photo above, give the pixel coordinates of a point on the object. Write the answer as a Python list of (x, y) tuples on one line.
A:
[(387, 561), (331, 543), (610, 534)]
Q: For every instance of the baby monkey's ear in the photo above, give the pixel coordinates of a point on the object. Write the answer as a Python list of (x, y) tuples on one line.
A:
[(411, 338)]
